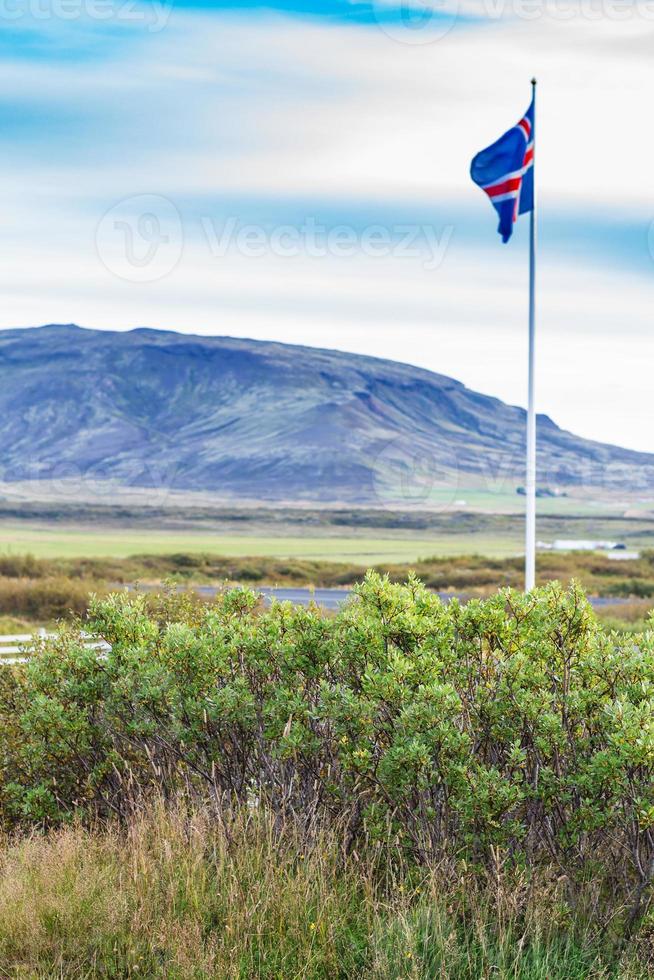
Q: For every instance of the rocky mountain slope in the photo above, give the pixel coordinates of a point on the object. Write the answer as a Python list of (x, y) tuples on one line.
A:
[(268, 421)]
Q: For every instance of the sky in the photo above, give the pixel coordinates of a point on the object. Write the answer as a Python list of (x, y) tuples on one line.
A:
[(299, 172)]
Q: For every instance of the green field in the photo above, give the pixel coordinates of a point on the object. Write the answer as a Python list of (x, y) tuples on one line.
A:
[(360, 536), (62, 542)]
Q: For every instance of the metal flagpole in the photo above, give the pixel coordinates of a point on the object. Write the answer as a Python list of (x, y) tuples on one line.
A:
[(530, 523)]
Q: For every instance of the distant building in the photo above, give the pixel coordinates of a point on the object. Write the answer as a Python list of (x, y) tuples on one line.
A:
[(542, 492), (563, 544)]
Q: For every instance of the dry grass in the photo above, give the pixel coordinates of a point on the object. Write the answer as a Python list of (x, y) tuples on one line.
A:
[(172, 898), (46, 599), (476, 574), (177, 897), (48, 590), (13, 624), (631, 616)]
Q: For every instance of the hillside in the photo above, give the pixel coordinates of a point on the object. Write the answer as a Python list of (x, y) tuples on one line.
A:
[(267, 421)]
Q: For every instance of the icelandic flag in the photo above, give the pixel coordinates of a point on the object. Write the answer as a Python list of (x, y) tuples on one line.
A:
[(505, 171)]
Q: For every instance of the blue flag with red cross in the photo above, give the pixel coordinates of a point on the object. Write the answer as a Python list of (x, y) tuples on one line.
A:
[(505, 171)]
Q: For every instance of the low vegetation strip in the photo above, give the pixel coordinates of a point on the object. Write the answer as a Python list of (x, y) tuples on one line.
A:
[(599, 574), (45, 590), (46, 599), (178, 895), (404, 789)]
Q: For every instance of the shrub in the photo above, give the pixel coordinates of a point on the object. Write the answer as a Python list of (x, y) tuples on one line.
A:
[(23, 566), (513, 727), (45, 599), (640, 588)]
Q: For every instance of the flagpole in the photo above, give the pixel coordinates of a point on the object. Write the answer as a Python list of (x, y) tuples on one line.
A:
[(530, 522)]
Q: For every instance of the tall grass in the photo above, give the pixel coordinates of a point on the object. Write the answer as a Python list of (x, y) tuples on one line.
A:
[(46, 599), (178, 895)]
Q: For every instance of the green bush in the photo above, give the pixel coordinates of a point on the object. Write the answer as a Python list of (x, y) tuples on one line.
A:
[(512, 727)]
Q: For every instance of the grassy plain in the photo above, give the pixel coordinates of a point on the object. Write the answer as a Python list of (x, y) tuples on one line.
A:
[(71, 542), (363, 537), (85, 548)]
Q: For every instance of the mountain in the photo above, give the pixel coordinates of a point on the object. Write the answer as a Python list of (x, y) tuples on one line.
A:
[(269, 421)]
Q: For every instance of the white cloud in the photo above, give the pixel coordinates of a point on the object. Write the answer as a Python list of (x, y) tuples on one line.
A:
[(278, 105)]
